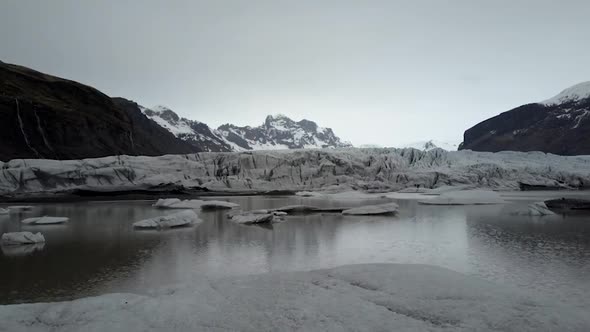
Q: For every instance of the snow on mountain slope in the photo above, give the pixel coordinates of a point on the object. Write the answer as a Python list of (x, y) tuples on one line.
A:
[(559, 125), (276, 133), (572, 94), (195, 133), (432, 144), (280, 132)]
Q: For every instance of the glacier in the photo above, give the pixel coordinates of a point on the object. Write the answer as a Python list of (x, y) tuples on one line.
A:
[(369, 170)]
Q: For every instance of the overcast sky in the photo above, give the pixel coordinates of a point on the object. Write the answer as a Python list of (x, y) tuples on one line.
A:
[(381, 72)]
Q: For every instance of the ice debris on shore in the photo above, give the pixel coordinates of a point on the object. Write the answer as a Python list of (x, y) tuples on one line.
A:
[(368, 297)]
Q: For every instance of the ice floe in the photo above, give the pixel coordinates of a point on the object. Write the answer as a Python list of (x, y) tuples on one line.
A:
[(45, 220), (4, 211), (465, 197), (19, 208), (379, 209), (534, 209), (252, 218), (182, 218), (214, 205), (175, 203), (369, 297), (17, 238)]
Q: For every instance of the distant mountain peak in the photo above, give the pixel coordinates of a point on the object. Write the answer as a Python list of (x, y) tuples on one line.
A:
[(277, 132), (574, 93), (432, 144)]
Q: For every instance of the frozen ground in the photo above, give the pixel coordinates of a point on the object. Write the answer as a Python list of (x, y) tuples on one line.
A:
[(372, 297), (372, 170)]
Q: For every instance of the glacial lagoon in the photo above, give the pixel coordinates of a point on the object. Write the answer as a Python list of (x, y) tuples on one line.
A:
[(98, 251)]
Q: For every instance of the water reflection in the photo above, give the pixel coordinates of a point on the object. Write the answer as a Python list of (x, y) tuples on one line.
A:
[(98, 251)]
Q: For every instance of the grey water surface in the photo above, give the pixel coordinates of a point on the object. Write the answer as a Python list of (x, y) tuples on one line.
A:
[(99, 252)]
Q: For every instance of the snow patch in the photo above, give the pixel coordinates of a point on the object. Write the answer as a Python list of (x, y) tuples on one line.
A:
[(572, 94)]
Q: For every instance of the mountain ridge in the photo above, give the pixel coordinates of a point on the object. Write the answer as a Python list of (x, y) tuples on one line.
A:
[(559, 125), (278, 131)]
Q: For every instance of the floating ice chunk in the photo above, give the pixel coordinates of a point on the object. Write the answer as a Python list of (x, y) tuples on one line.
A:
[(166, 202), (3, 211), (465, 197), (297, 209), (175, 203), (18, 238), (45, 220), (380, 209), (414, 190), (309, 194), (213, 205), (19, 208), (446, 189), (181, 218), (251, 218), (535, 209), (22, 250)]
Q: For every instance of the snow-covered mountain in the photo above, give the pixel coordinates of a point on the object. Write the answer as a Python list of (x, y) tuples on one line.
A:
[(559, 125), (431, 145), (193, 132), (276, 133)]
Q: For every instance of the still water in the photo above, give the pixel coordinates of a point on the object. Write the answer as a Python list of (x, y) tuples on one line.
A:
[(99, 252)]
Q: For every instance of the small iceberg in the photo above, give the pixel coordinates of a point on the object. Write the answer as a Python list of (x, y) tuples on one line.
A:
[(414, 190), (465, 197), (19, 208), (3, 211), (373, 210), (294, 209), (215, 205), (276, 213), (535, 209), (22, 250), (45, 220), (309, 194), (175, 203), (178, 219), (164, 203), (18, 238), (252, 218)]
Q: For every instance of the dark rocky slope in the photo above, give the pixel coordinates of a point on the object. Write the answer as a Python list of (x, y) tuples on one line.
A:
[(43, 116), (560, 125)]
